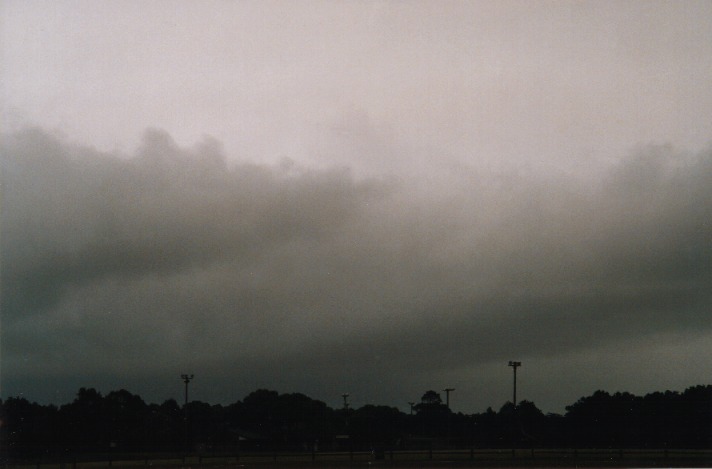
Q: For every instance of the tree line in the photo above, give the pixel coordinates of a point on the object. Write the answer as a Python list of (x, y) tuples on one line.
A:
[(267, 420)]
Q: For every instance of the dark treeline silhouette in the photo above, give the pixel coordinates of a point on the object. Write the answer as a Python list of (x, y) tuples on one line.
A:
[(266, 420)]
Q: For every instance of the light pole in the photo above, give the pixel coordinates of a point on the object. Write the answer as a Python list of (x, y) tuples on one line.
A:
[(411, 404), (346, 401), (447, 403), (186, 379), (346, 409), (447, 396), (514, 366)]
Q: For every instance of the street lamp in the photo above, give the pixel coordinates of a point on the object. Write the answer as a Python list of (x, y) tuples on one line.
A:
[(514, 366), (411, 404), (186, 379)]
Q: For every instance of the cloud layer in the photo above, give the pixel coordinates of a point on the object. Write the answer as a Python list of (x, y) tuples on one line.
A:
[(126, 270)]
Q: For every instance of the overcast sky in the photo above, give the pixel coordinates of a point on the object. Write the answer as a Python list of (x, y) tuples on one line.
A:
[(378, 198)]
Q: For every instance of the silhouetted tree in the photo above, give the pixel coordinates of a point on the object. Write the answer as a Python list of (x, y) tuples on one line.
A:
[(696, 416), (121, 420), (486, 433), (127, 414), (207, 426), (530, 424), (378, 426), (431, 417), (305, 421), (85, 421), (257, 413), (164, 426), (293, 420), (28, 427)]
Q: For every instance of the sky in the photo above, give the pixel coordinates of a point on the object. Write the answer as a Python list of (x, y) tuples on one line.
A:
[(377, 198)]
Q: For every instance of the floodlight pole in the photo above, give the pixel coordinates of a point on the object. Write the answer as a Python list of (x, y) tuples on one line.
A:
[(447, 396), (514, 366), (346, 401), (346, 409), (447, 403), (186, 379)]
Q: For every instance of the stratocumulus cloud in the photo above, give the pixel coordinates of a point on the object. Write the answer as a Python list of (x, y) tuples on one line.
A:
[(124, 270)]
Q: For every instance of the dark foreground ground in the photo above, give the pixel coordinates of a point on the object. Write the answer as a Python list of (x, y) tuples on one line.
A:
[(563, 458)]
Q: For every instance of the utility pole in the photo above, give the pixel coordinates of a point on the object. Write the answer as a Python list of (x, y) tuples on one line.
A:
[(514, 366), (186, 379), (411, 404)]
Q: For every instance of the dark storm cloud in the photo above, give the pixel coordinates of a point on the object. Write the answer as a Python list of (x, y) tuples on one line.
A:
[(172, 259)]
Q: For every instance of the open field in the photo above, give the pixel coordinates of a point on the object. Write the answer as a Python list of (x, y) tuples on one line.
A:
[(499, 458)]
